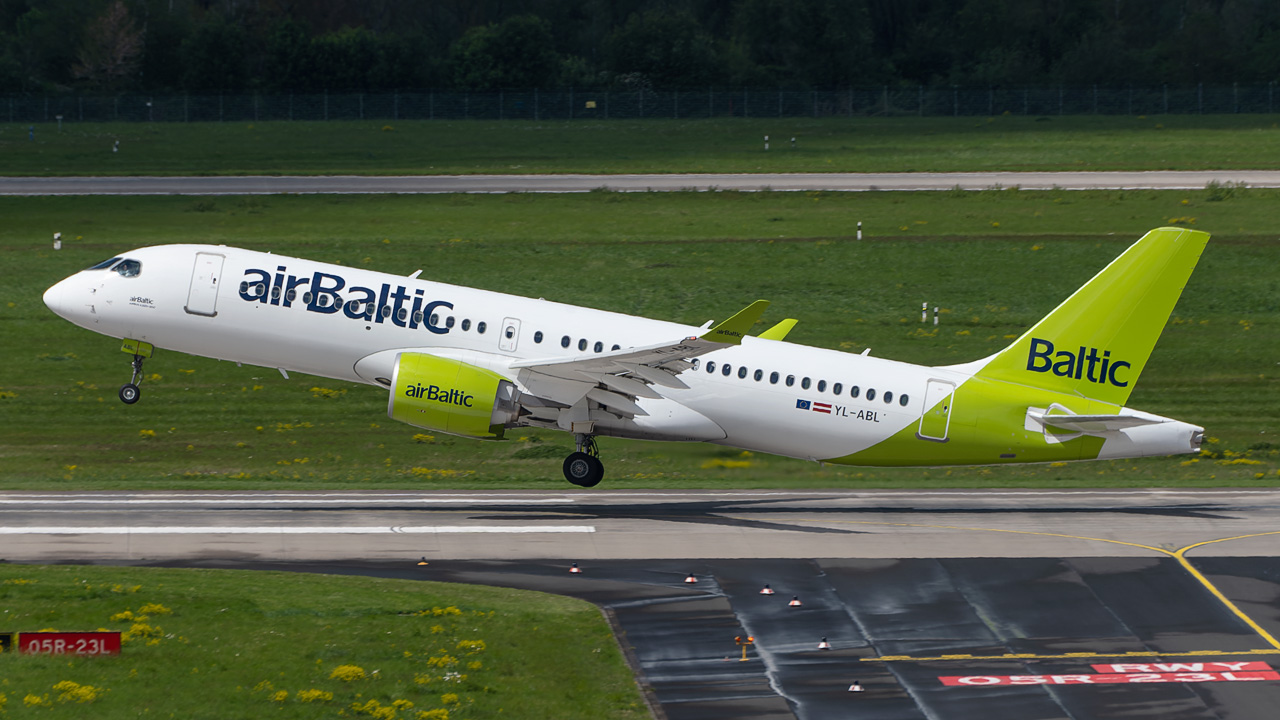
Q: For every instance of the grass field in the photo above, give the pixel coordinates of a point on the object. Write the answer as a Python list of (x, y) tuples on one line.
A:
[(994, 261), (241, 644), (900, 144)]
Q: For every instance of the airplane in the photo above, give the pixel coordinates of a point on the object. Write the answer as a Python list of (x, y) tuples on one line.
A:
[(476, 363)]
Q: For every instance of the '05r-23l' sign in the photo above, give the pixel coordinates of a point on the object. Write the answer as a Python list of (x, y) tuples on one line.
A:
[(69, 643)]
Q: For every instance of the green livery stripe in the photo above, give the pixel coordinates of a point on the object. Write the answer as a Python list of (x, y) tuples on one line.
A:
[(986, 428)]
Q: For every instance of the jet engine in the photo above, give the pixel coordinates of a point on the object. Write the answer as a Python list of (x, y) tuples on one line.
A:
[(451, 397)]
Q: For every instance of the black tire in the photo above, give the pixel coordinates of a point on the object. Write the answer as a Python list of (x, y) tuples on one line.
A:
[(129, 393), (583, 470)]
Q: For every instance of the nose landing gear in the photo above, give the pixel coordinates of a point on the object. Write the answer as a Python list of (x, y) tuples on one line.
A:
[(583, 468), (129, 392)]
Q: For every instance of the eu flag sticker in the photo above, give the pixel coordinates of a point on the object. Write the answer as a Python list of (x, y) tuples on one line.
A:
[(802, 404)]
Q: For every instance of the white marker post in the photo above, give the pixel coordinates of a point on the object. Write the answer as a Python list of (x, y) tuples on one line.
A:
[(935, 316), (859, 229), (924, 312), (57, 241), (766, 143)]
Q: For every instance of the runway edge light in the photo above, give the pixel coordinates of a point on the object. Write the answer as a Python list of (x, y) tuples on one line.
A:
[(824, 645), (690, 579), (575, 569), (766, 590), (795, 601)]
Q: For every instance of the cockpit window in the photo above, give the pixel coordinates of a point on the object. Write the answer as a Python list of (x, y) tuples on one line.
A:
[(129, 268), (104, 264)]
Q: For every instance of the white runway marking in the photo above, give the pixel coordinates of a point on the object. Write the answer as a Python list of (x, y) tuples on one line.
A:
[(273, 499), (283, 530)]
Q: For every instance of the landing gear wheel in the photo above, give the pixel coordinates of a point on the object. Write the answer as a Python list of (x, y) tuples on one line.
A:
[(129, 393), (583, 470)]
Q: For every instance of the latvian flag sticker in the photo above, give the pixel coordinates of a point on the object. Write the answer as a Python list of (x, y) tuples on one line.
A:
[(822, 407)]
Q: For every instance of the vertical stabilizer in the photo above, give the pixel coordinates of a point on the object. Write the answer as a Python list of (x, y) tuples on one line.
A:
[(1096, 343)]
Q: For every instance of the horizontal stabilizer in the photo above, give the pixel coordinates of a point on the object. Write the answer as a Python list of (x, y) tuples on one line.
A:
[(1088, 424)]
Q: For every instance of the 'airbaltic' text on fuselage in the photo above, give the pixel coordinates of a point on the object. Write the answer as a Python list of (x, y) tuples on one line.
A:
[(1041, 358), (328, 294)]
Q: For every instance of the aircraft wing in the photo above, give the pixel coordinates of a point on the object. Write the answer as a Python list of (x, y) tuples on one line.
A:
[(617, 379)]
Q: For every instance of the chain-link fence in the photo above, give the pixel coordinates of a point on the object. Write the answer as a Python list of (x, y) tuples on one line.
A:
[(574, 104)]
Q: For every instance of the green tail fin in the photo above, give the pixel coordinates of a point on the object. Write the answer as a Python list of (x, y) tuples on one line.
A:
[(1096, 343)]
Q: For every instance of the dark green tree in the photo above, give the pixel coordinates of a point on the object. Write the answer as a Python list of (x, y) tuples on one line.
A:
[(213, 58), (664, 48), (517, 53)]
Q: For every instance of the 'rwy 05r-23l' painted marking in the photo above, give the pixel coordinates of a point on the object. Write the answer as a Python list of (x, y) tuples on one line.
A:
[(498, 361)]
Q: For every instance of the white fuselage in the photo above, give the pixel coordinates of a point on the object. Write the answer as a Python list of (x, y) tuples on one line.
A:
[(268, 310)]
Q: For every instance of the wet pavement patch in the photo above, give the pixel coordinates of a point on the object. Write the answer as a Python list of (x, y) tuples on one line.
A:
[(993, 638)]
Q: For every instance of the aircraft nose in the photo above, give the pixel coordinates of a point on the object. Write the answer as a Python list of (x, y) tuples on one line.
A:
[(53, 298), (59, 298)]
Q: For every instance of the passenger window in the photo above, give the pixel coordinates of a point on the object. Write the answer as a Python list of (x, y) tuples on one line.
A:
[(448, 322), (466, 325), (888, 396), (582, 344), (791, 380), (386, 309), (711, 366), (695, 363), (773, 378), (835, 389), (291, 295), (480, 326), (871, 394), (805, 383), (725, 369), (417, 317), (128, 268), (537, 337), (822, 386), (435, 319), (616, 347), (599, 347), (510, 332), (742, 373), (759, 375), (902, 400), (853, 391), (275, 293), (564, 341), (402, 314), (306, 297)]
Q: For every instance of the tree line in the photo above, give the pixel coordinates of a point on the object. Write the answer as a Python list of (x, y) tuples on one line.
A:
[(214, 46)]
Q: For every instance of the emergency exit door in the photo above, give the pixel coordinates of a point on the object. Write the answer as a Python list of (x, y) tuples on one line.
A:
[(935, 418)]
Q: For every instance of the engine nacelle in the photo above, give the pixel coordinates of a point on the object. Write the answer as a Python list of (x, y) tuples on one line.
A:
[(451, 397)]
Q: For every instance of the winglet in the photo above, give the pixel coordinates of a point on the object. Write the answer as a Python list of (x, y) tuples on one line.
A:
[(779, 331), (731, 331)]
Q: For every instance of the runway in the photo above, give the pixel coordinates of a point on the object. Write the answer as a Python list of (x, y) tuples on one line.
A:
[(794, 182), (941, 604)]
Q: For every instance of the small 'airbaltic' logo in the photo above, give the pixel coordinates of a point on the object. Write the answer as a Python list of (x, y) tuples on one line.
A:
[(435, 393), (1085, 364)]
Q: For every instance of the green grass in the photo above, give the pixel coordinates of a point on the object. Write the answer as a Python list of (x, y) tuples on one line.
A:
[(240, 644), (903, 144), (995, 262)]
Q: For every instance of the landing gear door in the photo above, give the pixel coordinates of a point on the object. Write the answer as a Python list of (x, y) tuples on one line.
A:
[(935, 418), (202, 298), (510, 335)]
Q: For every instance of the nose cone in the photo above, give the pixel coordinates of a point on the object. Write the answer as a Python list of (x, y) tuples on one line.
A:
[(55, 298)]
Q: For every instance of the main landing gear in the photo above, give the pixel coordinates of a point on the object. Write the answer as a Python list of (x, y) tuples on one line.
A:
[(583, 468)]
